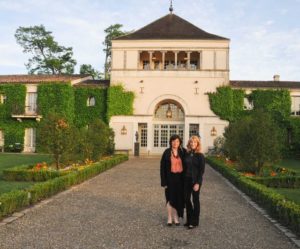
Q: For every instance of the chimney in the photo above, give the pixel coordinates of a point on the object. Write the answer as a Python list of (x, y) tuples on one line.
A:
[(276, 77)]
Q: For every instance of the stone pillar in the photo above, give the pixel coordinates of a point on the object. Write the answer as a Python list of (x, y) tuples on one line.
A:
[(163, 60), (150, 60), (188, 60), (176, 58)]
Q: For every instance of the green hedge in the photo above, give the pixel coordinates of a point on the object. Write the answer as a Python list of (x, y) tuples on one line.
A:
[(285, 211), (279, 182), (16, 200), (24, 173)]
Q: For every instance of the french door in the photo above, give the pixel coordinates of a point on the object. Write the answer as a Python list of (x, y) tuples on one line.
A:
[(163, 132)]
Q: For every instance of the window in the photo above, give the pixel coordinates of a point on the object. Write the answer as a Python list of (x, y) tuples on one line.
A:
[(1, 138), (91, 101), (248, 104), (144, 133), (146, 65), (175, 112), (2, 99), (162, 134), (30, 137), (295, 110), (194, 130), (31, 105)]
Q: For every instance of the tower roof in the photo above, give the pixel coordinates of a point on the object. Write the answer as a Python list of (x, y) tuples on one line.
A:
[(170, 27)]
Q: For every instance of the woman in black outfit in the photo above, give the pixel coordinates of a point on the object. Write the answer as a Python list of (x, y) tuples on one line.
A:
[(194, 163), (171, 173)]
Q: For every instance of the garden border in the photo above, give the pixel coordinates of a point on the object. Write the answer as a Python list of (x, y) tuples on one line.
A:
[(17, 200), (286, 212)]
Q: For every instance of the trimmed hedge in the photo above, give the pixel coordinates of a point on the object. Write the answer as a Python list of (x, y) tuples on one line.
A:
[(285, 211), (25, 173), (279, 182), (16, 200)]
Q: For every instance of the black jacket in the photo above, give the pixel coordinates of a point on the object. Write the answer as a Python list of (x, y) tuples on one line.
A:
[(165, 164), (198, 166)]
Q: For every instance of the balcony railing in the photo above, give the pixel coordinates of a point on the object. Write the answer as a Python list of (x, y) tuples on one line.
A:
[(30, 112)]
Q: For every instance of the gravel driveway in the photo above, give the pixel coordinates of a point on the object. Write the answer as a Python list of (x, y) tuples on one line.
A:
[(124, 208)]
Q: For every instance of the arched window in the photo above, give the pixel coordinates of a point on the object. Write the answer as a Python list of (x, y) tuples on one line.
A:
[(91, 101), (169, 110)]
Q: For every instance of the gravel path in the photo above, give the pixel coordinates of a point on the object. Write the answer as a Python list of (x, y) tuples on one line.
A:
[(124, 208)]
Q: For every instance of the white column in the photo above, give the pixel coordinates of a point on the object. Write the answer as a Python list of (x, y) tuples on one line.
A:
[(150, 60), (189, 60), (163, 60), (176, 56)]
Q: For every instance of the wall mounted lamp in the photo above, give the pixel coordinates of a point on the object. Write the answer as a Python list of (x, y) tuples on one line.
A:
[(123, 130)]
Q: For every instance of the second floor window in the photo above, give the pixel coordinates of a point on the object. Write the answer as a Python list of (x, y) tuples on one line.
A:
[(2, 99), (295, 109)]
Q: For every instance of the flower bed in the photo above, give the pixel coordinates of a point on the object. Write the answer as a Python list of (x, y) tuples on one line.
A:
[(286, 212), (279, 181), (31, 174), (16, 200)]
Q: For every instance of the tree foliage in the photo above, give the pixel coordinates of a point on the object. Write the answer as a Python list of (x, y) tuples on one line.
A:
[(254, 141), (113, 31), (48, 56), (88, 69)]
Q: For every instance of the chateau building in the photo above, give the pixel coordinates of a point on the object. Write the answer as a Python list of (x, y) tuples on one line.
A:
[(170, 65)]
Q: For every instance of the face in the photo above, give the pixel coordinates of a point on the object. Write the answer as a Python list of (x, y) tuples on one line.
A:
[(193, 144), (175, 143)]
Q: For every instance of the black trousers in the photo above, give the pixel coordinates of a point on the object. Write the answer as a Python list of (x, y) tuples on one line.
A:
[(192, 206)]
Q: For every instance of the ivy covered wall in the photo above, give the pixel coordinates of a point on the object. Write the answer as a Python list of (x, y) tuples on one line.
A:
[(85, 114), (227, 103), (119, 101), (63, 99), (57, 98)]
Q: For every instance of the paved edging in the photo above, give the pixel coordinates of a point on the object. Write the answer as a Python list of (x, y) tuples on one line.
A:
[(288, 233)]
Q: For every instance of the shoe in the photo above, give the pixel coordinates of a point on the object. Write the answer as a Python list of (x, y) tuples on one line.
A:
[(169, 224), (177, 224), (191, 227), (186, 224)]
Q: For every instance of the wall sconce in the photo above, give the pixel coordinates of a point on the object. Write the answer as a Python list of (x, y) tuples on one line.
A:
[(196, 82), (141, 81), (123, 130), (142, 90), (169, 112), (196, 91), (213, 132)]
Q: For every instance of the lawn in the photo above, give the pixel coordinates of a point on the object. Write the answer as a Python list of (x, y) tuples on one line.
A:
[(12, 160), (289, 193), (290, 164)]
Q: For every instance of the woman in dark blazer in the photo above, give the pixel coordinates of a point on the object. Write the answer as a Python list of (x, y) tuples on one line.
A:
[(171, 174), (194, 163)]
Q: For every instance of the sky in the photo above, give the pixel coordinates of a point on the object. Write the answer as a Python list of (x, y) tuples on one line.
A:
[(264, 34)]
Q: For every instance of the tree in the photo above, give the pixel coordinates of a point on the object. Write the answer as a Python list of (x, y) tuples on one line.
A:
[(48, 56), (111, 32), (57, 137), (88, 69), (96, 140), (255, 140)]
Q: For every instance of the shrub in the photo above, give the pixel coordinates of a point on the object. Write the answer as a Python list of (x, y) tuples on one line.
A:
[(96, 140), (254, 141), (57, 136)]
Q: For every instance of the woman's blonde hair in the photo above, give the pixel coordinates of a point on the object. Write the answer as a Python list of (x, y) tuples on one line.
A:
[(197, 139)]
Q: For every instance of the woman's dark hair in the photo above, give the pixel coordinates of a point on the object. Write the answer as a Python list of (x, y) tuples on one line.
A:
[(174, 137)]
